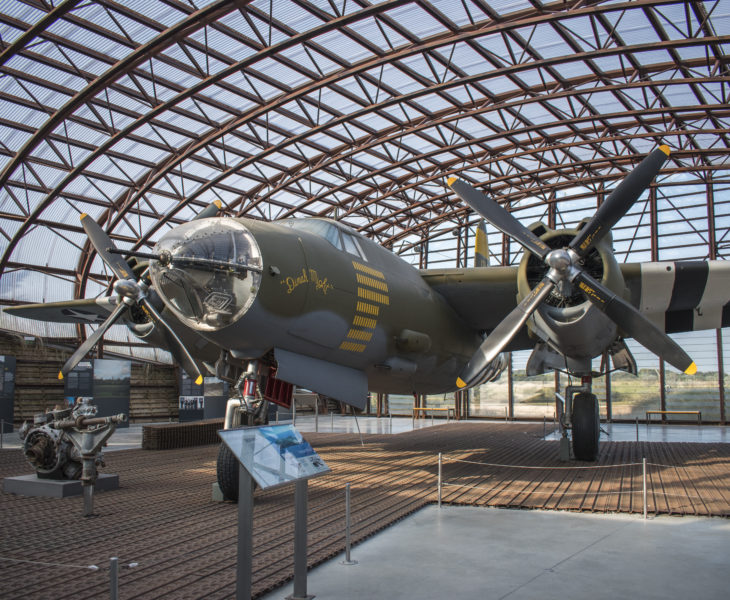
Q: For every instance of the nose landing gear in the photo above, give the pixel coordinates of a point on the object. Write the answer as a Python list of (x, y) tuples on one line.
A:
[(582, 415), (249, 408)]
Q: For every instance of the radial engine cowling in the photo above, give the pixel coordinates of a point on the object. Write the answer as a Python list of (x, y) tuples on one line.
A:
[(567, 320)]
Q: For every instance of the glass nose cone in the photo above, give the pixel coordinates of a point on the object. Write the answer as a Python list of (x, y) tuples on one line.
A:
[(210, 272)]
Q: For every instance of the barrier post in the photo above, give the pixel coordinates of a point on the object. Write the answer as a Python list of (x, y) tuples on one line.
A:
[(637, 429), (439, 484), (348, 560), (643, 464), (114, 578), (2, 432)]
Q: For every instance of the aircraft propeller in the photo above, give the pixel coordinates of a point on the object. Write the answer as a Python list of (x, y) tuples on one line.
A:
[(130, 293), (565, 267)]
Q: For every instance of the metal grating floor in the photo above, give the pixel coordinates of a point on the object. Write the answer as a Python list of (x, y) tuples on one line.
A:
[(163, 518)]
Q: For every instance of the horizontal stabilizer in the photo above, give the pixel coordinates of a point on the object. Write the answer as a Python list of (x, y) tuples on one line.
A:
[(85, 311)]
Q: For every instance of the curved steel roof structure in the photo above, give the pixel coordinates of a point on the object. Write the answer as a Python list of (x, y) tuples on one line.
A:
[(140, 112)]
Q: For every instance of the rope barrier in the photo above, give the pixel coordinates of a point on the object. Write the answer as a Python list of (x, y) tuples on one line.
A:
[(471, 462), (581, 494), (48, 564), (568, 495), (556, 468)]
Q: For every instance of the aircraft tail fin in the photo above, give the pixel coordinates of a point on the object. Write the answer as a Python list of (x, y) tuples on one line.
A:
[(481, 247)]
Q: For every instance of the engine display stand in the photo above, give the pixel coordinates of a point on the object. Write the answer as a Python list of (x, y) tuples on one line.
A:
[(32, 485)]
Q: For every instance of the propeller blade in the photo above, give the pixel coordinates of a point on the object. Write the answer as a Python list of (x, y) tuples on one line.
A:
[(101, 241), (636, 325), (209, 211), (177, 348), (503, 333), (620, 200), (498, 216), (91, 341)]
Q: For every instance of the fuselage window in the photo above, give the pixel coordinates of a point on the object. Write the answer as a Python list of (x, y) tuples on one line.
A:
[(352, 246), (342, 240)]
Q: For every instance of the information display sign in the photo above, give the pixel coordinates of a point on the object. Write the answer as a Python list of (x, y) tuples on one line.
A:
[(274, 455)]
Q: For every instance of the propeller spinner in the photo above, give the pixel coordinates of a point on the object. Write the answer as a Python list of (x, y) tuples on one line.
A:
[(565, 267)]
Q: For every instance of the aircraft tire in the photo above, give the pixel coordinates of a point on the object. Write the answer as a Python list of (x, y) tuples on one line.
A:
[(227, 472), (586, 427)]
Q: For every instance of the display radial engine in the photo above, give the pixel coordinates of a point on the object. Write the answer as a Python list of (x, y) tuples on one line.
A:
[(311, 303)]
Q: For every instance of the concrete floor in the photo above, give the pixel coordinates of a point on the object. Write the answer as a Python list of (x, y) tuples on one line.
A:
[(486, 553)]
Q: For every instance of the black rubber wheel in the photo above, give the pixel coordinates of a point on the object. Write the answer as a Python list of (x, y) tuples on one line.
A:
[(586, 426), (227, 472)]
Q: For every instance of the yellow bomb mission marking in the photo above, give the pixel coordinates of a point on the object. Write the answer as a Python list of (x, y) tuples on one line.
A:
[(307, 276)]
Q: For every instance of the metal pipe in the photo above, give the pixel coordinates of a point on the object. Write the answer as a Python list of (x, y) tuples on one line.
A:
[(2, 432), (358, 429), (244, 563), (300, 540), (637, 429), (332, 420), (439, 484), (643, 465), (88, 489), (348, 559), (316, 414), (294, 411), (114, 578)]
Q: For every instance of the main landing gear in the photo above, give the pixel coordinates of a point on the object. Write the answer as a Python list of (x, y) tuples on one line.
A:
[(248, 409), (581, 414)]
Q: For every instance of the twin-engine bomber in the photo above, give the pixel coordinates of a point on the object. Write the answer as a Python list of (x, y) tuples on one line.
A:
[(310, 302)]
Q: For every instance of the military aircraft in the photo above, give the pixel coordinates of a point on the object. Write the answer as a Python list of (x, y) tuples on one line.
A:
[(310, 302)]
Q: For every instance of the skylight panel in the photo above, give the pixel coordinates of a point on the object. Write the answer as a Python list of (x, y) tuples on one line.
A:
[(224, 96), (418, 20), (343, 46), (633, 28), (574, 68)]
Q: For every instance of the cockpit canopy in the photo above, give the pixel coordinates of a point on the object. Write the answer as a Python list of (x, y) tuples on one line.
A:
[(338, 235)]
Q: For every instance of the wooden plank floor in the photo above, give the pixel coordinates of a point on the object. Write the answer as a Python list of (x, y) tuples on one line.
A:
[(163, 518)]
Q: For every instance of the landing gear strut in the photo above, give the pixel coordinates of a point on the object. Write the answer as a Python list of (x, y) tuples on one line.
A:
[(246, 410), (581, 414)]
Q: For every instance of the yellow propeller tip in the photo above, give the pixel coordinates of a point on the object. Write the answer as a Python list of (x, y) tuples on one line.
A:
[(665, 149), (218, 203), (691, 370), (199, 380), (460, 383), (83, 216), (60, 374), (450, 180)]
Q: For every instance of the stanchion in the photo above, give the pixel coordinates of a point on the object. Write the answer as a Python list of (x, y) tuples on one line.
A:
[(439, 492), (637, 429), (316, 415), (348, 560), (300, 542), (643, 465), (244, 563), (114, 578), (2, 432), (332, 420)]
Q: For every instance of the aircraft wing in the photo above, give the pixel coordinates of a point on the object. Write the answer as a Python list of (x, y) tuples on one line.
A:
[(675, 296), (681, 296), (482, 296), (86, 310)]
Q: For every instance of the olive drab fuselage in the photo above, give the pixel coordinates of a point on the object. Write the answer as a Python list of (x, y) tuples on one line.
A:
[(367, 310)]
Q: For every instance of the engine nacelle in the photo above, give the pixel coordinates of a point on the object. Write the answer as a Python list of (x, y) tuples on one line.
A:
[(567, 320)]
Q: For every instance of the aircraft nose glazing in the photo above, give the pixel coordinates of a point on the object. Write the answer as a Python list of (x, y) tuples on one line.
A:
[(211, 272)]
